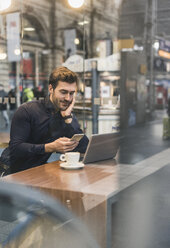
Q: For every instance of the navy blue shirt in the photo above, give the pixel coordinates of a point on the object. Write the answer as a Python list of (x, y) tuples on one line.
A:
[(34, 124)]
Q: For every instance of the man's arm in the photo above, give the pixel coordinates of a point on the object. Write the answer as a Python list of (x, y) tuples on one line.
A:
[(20, 136), (72, 127)]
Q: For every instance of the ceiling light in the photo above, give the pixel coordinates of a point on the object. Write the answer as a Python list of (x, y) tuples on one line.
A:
[(29, 29), (77, 41), (83, 23), (76, 3), (3, 56), (4, 4), (46, 51), (156, 45), (17, 51)]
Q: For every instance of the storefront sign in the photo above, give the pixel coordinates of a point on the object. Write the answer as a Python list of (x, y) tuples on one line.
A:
[(109, 63), (164, 48), (104, 48), (13, 37), (164, 54), (69, 42), (74, 63), (2, 28), (105, 91)]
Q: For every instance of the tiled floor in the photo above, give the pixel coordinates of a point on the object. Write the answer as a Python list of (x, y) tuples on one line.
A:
[(141, 214)]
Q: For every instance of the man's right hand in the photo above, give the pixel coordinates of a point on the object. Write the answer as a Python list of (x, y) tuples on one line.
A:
[(61, 145)]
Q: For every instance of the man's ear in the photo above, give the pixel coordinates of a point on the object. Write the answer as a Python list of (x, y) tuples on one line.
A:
[(50, 89)]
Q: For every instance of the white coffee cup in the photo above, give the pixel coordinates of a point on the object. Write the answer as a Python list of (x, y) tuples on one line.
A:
[(72, 158)]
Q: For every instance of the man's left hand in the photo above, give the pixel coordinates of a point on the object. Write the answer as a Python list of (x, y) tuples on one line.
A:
[(68, 111)]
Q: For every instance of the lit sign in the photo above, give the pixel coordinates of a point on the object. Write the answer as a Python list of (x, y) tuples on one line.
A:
[(164, 54), (164, 48), (164, 45)]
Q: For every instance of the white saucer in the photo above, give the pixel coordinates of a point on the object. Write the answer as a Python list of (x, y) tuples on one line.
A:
[(71, 167)]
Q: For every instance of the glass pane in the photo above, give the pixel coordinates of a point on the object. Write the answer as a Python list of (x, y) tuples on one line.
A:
[(32, 45)]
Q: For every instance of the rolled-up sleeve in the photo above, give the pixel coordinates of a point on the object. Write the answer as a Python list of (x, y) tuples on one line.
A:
[(19, 136)]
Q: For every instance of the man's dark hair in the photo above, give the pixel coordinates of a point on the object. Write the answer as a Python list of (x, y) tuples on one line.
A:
[(62, 74)]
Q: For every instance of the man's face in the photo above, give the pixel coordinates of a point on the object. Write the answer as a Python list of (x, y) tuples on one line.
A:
[(63, 95)]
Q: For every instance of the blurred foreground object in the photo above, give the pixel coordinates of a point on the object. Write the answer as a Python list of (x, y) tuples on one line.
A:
[(39, 221)]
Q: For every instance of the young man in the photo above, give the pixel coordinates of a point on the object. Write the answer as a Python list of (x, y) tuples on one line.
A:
[(42, 127)]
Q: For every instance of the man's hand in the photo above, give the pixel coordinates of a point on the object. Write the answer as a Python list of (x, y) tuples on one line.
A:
[(69, 109), (61, 145)]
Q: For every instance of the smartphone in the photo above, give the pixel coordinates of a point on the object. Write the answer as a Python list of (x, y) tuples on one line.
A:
[(77, 137)]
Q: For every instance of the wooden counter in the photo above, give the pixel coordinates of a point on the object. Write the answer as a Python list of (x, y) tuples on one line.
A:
[(88, 192)]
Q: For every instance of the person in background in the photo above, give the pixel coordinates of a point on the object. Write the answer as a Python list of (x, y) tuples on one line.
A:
[(3, 105), (42, 127), (12, 102), (28, 95), (37, 93)]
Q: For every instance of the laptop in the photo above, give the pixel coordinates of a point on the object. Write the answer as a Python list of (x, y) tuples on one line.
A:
[(101, 147)]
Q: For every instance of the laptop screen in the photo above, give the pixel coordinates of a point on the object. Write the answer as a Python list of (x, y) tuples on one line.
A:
[(101, 147)]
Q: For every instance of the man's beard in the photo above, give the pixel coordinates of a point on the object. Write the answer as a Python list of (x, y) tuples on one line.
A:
[(66, 105), (59, 105)]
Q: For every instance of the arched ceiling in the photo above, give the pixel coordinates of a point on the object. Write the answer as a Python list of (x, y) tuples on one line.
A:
[(132, 19), (38, 34)]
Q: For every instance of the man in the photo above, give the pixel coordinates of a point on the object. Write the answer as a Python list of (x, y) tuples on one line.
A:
[(42, 127), (28, 95)]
